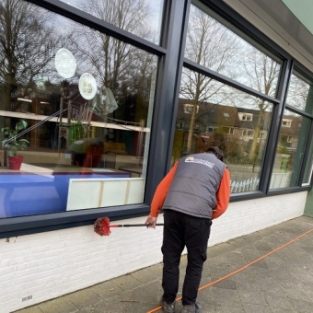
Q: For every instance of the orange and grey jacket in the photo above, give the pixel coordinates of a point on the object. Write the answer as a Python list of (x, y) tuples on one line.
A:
[(197, 185)]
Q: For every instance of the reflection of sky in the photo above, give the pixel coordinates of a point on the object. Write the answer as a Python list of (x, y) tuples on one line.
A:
[(156, 14), (154, 21)]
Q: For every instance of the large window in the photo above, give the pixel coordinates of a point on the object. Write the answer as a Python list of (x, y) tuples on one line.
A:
[(214, 118), (290, 151), (85, 85), (294, 137), (76, 105), (221, 115)]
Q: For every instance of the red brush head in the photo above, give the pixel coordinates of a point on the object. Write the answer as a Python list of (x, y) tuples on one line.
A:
[(102, 226)]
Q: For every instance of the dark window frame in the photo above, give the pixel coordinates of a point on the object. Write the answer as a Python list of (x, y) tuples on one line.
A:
[(171, 62), (299, 68)]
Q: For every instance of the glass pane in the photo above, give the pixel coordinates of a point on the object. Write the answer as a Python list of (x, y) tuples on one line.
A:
[(76, 105), (139, 17), (211, 44), (213, 114), (290, 150), (309, 166), (300, 93)]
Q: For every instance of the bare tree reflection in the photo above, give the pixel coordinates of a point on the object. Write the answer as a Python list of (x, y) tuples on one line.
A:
[(118, 66), (211, 45), (25, 42), (129, 15), (262, 73)]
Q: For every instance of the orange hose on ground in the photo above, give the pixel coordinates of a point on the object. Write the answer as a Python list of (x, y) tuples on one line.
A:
[(242, 268)]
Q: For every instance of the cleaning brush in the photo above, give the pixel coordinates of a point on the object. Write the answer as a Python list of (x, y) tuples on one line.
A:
[(102, 226)]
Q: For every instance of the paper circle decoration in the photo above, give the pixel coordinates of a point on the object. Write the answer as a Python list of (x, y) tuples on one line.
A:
[(65, 63), (87, 86)]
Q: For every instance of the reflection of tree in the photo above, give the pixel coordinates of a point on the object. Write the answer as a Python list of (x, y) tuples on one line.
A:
[(262, 73), (138, 81), (211, 45), (298, 93), (129, 15), (25, 39), (110, 58), (214, 46), (117, 65)]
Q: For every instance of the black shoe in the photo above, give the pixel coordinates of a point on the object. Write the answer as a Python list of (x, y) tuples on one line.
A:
[(193, 308), (168, 307)]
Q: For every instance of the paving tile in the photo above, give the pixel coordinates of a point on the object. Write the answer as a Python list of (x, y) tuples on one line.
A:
[(279, 310), (206, 272), (60, 305), (250, 252), (83, 298), (224, 295), (302, 306), (267, 282), (127, 282), (307, 248), (219, 270), (222, 307), (262, 246), (252, 297), (308, 289), (273, 261), (261, 264), (281, 273), (226, 284), (235, 259), (256, 308), (278, 302), (274, 291), (112, 307), (220, 249), (294, 294), (151, 273), (90, 309), (107, 290), (32, 309), (246, 281), (149, 292), (238, 242)]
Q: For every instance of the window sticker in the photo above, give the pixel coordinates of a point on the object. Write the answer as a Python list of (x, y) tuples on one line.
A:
[(65, 63), (87, 86)]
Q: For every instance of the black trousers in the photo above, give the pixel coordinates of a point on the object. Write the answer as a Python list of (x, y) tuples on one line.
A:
[(182, 230)]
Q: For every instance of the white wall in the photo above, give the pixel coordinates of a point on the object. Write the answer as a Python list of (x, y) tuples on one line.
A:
[(47, 265)]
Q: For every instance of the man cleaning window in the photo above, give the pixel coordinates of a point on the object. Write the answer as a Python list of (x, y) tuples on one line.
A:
[(195, 191)]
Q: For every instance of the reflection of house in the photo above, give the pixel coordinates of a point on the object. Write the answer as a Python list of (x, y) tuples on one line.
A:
[(233, 123), (290, 129)]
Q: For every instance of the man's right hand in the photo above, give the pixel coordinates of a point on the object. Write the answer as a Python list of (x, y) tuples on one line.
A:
[(151, 221)]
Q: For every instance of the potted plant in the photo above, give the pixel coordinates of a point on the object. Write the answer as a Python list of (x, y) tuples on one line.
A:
[(12, 144)]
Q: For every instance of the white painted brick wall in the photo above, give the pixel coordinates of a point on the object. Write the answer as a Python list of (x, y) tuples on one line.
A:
[(51, 264)]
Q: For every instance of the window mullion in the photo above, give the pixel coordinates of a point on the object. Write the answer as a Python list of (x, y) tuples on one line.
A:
[(275, 125)]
